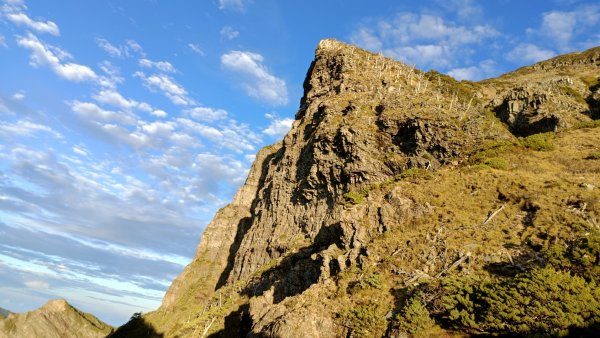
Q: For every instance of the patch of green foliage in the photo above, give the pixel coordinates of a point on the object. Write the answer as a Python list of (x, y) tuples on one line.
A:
[(542, 301), (538, 142), (496, 163), (587, 124), (370, 280), (365, 320), (573, 93), (590, 81), (580, 256), (415, 173), (593, 156), (413, 317), (354, 197)]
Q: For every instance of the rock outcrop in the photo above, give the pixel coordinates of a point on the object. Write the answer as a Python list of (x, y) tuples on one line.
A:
[(384, 179), (57, 318)]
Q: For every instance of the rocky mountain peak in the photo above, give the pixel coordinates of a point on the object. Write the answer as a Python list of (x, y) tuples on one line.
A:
[(385, 179)]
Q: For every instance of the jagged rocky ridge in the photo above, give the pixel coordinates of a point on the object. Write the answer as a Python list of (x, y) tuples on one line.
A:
[(389, 179), (56, 318)]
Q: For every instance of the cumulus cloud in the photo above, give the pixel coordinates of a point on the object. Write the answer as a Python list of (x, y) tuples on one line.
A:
[(528, 53), (484, 69), (229, 33), (423, 39), (278, 126), (13, 13), (206, 114), (257, 81), (167, 85), (114, 98), (93, 112), (53, 58), (18, 96), (561, 27)]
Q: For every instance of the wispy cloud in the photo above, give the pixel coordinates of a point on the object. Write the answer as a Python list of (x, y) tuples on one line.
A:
[(257, 80), (423, 39), (229, 33), (163, 66), (528, 53), (127, 49), (196, 48), (238, 5), (167, 85), (44, 55)]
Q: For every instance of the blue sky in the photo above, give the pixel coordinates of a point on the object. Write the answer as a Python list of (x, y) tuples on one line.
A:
[(124, 125)]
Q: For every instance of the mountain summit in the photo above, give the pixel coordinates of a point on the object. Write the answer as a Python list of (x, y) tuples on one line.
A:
[(56, 318), (404, 202)]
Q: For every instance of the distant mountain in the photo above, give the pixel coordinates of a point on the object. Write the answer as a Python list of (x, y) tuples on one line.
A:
[(56, 319), (4, 313)]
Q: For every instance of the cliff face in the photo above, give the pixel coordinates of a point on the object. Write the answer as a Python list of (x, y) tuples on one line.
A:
[(385, 179), (55, 319)]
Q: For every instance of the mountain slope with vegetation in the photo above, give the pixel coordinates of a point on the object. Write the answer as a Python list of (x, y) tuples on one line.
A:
[(57, 318), (4, 313), (404, 203)]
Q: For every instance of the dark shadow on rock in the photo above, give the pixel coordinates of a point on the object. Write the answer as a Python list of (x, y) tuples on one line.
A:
[(527, 260), (246, 222), (136, 327), (237, 324), (593, 101), (297, 272)]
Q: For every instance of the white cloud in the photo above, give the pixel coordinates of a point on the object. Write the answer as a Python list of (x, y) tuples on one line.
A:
[(207, 114), (129, 49), (239, 5), (80, 150), (109, 48), (20, 18), (278, 127), (37, 285), (159, 113), (114, 98), (229, 33), (25, 128), (484, 69), (3, 41), (528, 53), (259, 82), (163, 66), (91, 112), (46, 55), (196, 49), (168, 86), (18, 96), (423, 39), (561, 29)]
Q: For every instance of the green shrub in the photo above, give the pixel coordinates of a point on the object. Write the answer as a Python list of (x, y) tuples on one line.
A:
[(458, 302), (414, 317), (496, 163), (365, 320), (367, 281), (587, 124), (593, 156), (542, 301), (353, 197), (415, 173), (539, 142)]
